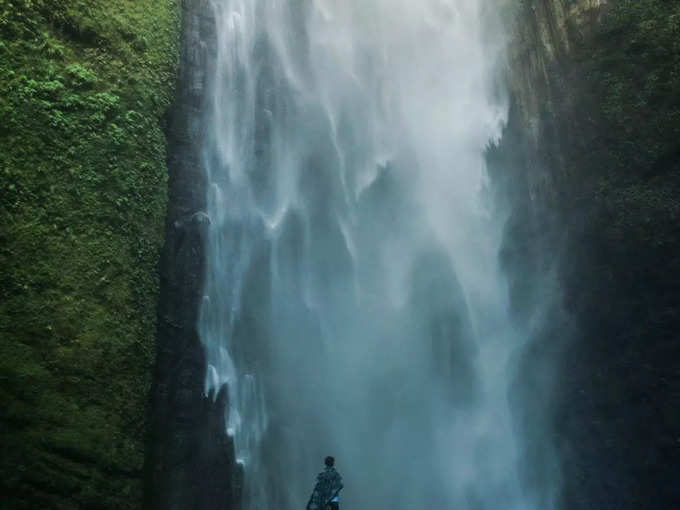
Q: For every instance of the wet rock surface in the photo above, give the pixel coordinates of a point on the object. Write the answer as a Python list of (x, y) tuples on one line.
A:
[(190, 461)]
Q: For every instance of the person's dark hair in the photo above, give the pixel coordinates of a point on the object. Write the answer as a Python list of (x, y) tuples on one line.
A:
[(329, 461)]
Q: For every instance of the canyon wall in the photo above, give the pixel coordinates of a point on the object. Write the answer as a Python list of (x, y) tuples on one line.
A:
[(589, 169), (84, 87)]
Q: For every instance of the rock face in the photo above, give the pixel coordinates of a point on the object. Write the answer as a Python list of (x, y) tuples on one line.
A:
[(589, 167), (190, 461)]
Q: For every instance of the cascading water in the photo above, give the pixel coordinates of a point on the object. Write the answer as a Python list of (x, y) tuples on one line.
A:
[(353, 299)]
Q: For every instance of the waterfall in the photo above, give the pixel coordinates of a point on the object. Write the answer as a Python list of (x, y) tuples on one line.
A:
[(353, 301)]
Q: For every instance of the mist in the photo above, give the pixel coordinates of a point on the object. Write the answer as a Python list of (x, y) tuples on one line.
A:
[(354, 304)]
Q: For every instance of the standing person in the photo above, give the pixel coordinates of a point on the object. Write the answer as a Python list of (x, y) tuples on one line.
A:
[(327, 489)]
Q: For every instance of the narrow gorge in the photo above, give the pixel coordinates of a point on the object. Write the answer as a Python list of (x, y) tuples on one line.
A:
[(437, 239)]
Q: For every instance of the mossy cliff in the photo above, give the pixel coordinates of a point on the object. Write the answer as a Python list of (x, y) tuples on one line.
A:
[(590, 167), (84, 85)]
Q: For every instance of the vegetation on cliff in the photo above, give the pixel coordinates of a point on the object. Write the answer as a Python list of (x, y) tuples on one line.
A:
[(591, 167), (635, 72), (626, 164), (84, 85)]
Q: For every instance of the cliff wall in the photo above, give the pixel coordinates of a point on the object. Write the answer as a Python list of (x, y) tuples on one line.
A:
[(190, 458), (590, 168), (84, 87)]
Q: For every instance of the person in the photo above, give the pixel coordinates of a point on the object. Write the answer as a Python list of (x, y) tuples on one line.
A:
[(326, 493)]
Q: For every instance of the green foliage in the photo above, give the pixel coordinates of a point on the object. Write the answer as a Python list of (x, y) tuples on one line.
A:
[(635, 74), (594, 138), (626, 165), (84, 85)]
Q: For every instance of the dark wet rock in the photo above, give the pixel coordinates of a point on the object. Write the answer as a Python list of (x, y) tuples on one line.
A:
[(190, 460)]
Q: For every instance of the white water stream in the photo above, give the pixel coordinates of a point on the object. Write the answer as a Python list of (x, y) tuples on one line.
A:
[(354, 303)]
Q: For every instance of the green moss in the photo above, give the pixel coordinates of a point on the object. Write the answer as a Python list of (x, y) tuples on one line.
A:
[(634, 60), (84, 85), (630, 86)]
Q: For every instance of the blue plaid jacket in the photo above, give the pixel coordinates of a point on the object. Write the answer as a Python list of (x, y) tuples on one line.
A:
[(328, 485)]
